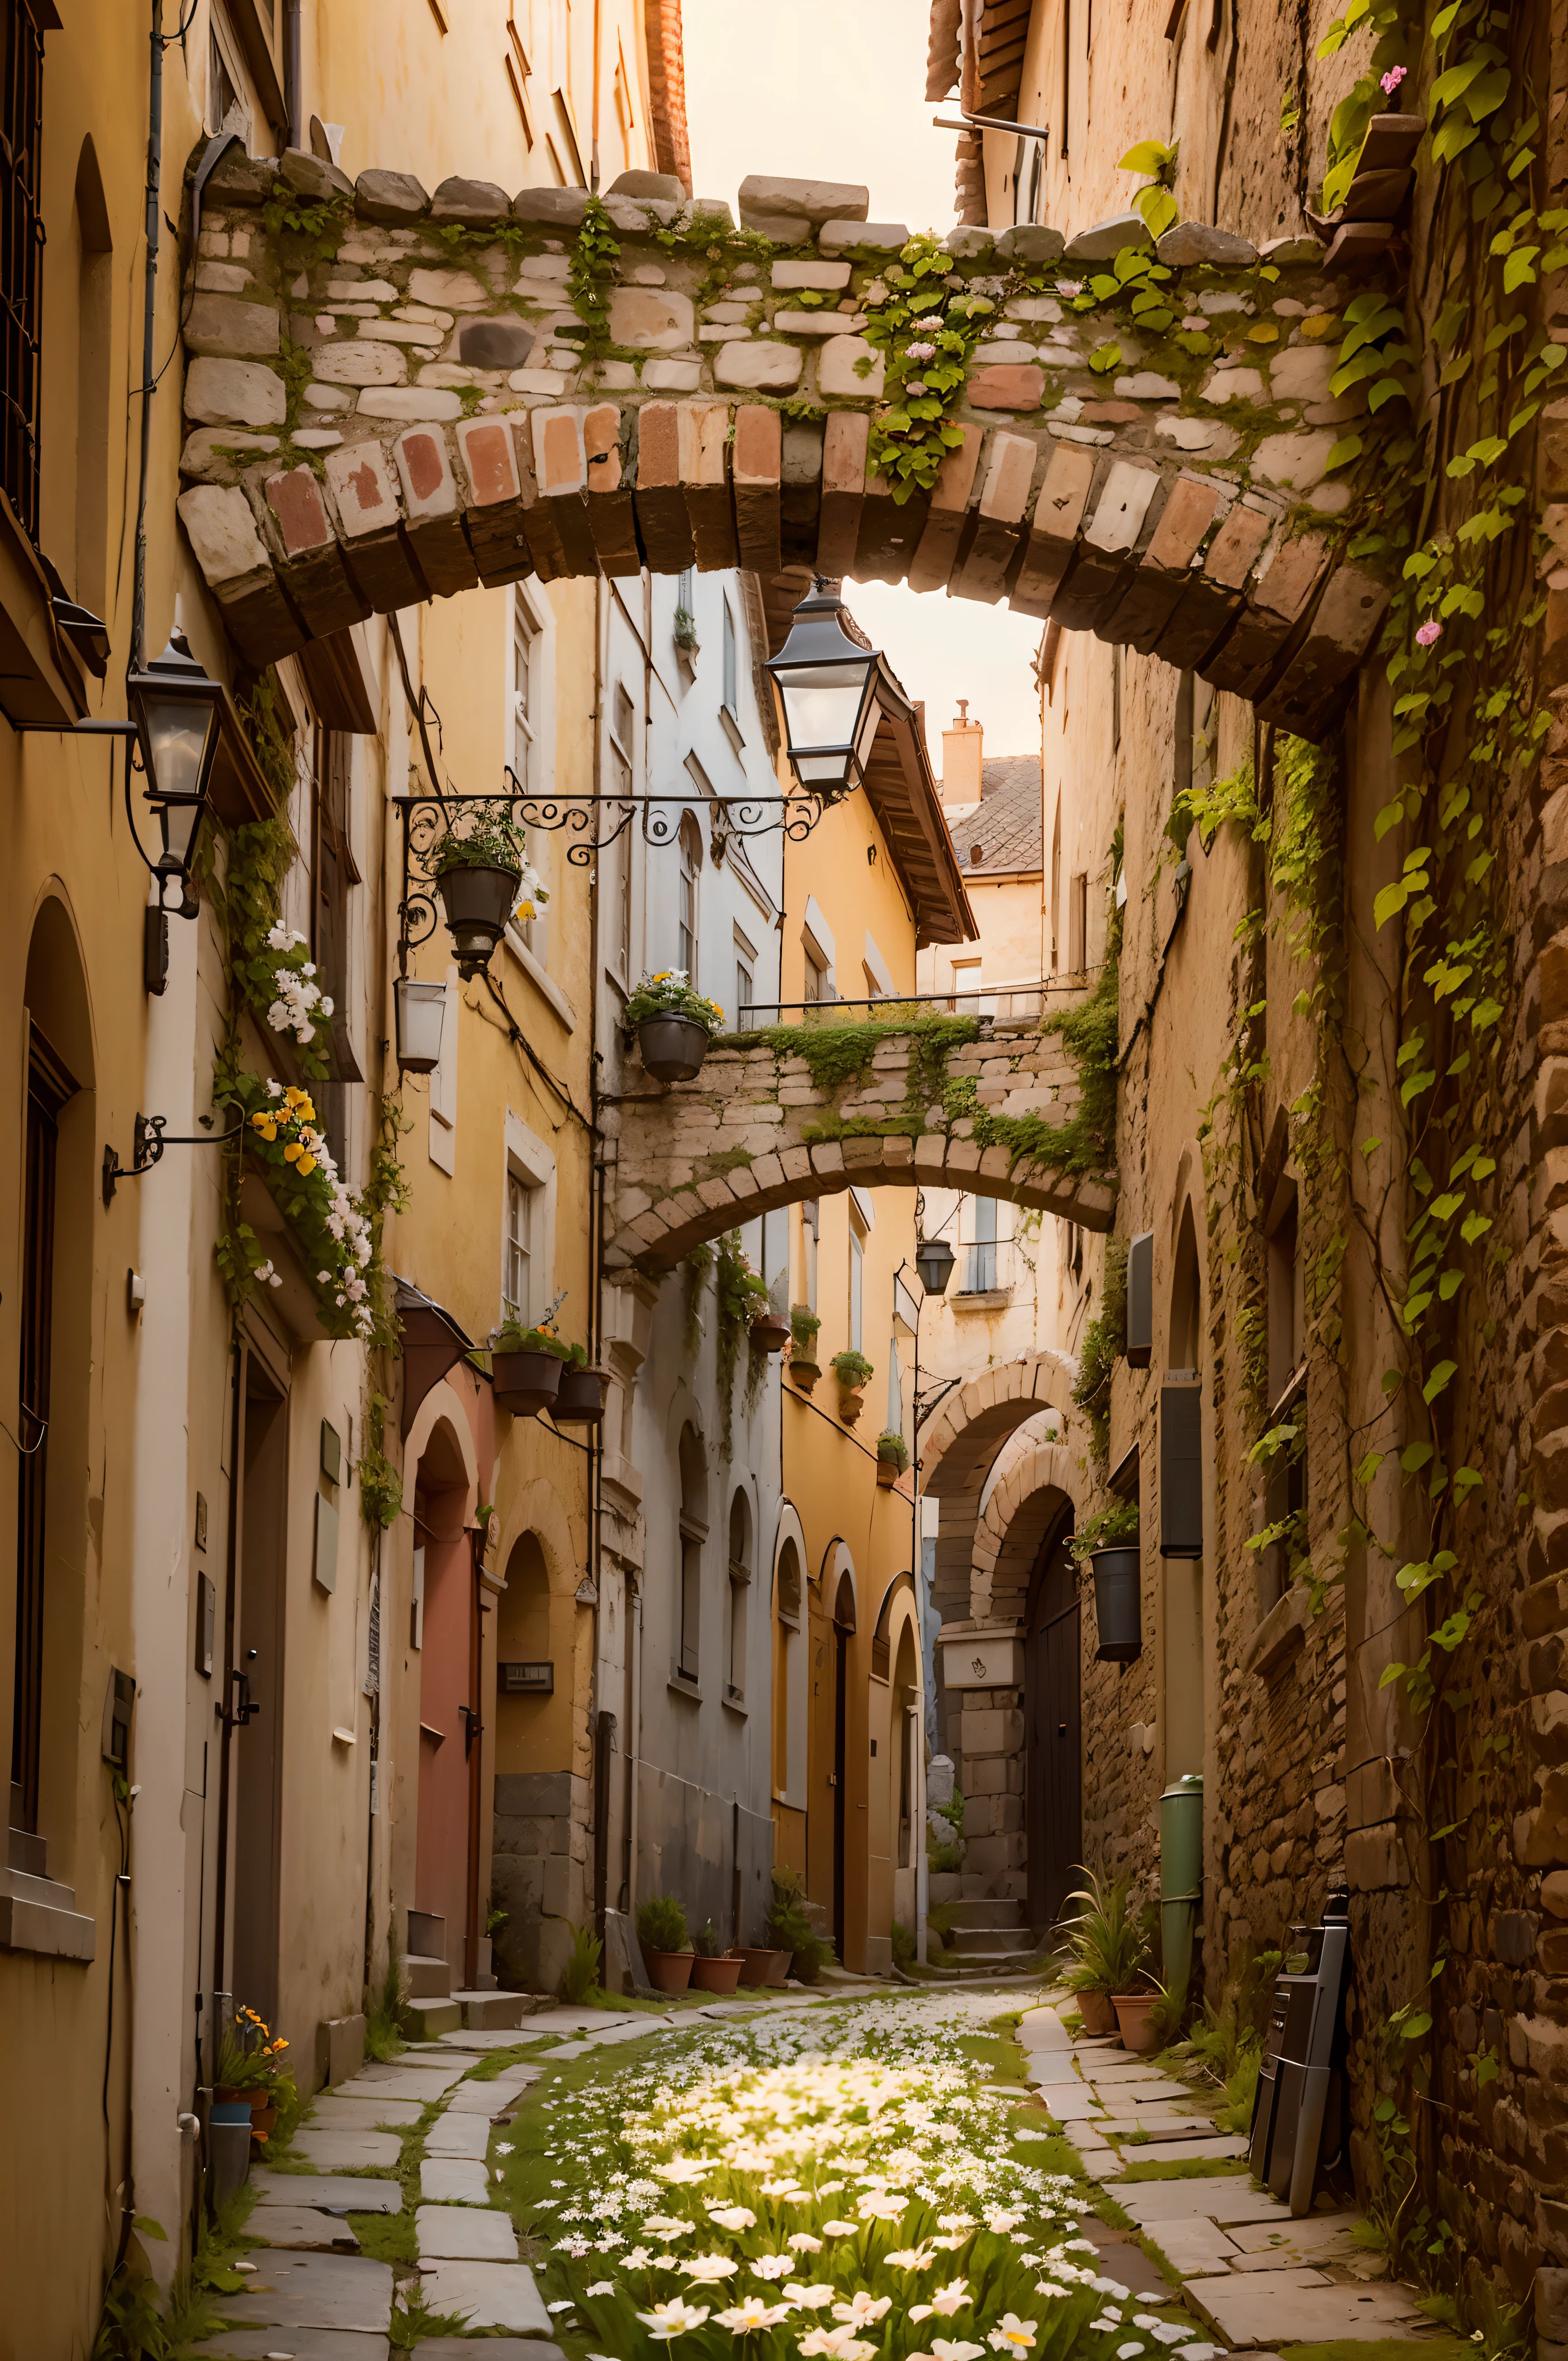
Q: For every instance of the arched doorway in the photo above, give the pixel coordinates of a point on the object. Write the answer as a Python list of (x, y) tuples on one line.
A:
[(446, 1635), (1052, 1751)]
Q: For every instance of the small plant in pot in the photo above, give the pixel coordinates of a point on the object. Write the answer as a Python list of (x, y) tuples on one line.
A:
[(892, 1458), (790, 1928), (1109, 1542), (1109, 1950), (714, 1969), (526, 1365), (771, 1331), (481, 872), (853, 1372), (662, 1931), (580, 1401), (251, 2071), (804, 1367), (673, 1024)]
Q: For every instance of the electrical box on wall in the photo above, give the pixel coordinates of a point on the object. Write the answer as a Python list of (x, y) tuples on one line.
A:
[(527, 1680), (206, 1624), (1181, 1465), (118, 1699), (1140, 1301)]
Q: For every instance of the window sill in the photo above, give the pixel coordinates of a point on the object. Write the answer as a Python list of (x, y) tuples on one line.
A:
[(736, 1706), (38, 1916), (690, 1690), (544, 983), (989, 1298), (731, 729)]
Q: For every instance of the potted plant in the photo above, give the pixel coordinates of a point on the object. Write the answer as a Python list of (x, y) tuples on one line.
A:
[(673, 1025), (480, 868), (526, 1365), (789, 1927), (1109, 1950), (251, 2072), (771, 1332), (580, 1401), (662, 1931), (760, 1964), (714, 1969), (892, 1458), (804, 1367), (852, 1370), (1109, 1542)]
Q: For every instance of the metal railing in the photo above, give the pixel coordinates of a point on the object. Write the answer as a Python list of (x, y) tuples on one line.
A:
[(985, 1266), (1004, 1003)]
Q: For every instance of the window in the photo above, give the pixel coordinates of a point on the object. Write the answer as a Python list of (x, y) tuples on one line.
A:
[(22, 228), (857, 1273), (730, 712), (525, 754), (444, 1086), (789, 1641), (745, 978), (895, 1388), (810, 1230), (686, 609), (1078, 923), (48, 1088), (1285, 1492), (333, 872), (516, 1296), (740, 1581), (622, 732), (687, 908), (221, 95), (979, 1276), (692, 1535), (94, 306)]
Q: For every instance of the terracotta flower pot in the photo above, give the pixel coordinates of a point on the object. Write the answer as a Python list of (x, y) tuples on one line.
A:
[(672, 1048), (771, 1333), (669, 1971), (850, 1404), (478, 902), (1133, 2016), (1097, 2010), (888, 1472), (263, 2118), (580, 1401), (717, 1975), (759, 1966), (526, 1383), (802, 1372)]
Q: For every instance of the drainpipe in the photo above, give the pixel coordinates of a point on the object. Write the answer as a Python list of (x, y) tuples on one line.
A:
[(148, 339), (295, 125)]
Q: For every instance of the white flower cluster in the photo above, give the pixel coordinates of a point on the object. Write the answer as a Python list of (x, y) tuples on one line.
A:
[(348, 1226), (300, 997), (532, 893)]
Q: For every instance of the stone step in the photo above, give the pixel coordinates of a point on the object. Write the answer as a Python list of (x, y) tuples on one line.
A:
[(978, 1912), (428, 1978), (989, 1942), (482, 2010), (424, 2019)]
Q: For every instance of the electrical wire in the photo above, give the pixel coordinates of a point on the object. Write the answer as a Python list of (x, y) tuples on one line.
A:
[(520, 1040)]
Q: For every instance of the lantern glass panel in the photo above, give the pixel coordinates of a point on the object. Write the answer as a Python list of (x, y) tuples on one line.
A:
[(177, 730)]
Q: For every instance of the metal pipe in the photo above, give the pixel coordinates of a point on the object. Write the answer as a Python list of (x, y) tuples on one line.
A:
[(594, 128), (992, 123), (148, 345), (295, 125)]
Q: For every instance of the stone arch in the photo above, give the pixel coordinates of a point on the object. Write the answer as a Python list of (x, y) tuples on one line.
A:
[(1039, 1480), (959, 1449)]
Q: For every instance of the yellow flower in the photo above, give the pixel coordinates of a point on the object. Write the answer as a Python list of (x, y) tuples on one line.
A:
[(265, 1125), (305, 1166), (293, 1152)]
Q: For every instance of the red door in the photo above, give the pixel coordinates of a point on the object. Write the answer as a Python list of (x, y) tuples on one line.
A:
[(441, 1860)]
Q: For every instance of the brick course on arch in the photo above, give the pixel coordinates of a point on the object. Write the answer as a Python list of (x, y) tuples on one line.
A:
[(416, 414), (753, 1132), (1025, 1502), (960, 1447)]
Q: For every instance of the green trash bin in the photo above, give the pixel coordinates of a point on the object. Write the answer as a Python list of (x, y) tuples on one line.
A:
[(1181, 1873)]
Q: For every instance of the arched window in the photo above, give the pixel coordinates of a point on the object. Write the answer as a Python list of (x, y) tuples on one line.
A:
[(95, 299), (785, 1668), (740, 1584), (687, 913), (1186, 1298), (692, 1535)]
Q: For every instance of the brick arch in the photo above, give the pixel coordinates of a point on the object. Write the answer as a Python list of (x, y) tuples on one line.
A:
[(1156, 531), (1034, 1483), (968, 1431), (746, 1136)]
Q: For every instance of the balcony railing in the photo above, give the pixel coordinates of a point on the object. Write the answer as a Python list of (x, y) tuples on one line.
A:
[(1006, 1003), (986, 1265)]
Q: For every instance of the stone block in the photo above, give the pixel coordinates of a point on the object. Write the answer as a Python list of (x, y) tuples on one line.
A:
[(1103, 240), (494, 343), (241, 393), (213, 454), (767, 195), (295, 500), (881, 237), (830, 277), (422, 2020), (229, 324), (313, 176), (1190, 243), (651, 319), (471, 205), (1007, 385), (1296, 253), (222, 532), (839, 376), (1030, 242), (392, 197), (758, 366), (494, 2295), (242, 180), (368, 361)]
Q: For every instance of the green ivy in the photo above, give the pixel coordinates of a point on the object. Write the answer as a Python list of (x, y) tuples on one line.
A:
[(926, 331), (1104, 1343), (595, 252)]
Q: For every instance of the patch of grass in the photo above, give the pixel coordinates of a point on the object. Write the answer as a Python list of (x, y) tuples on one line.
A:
[(412, 2319), (1198, 2167), (1387, 2348), (1056, 2155), (385, 2237), (529, 2171)]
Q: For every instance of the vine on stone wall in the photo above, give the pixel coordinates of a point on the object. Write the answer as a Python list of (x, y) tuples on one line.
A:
[(927, 330)]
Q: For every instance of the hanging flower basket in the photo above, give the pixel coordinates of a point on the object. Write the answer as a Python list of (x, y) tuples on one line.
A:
[(771, 1332), (580, 1401), (526, 1367), (478, 902), (803, 1373), (673, 1025), (1118, 1603)]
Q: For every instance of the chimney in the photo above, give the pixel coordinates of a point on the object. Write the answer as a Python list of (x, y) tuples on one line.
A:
[(961, 747)]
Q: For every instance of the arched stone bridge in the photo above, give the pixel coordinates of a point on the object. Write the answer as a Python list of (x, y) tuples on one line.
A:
[(755, 1131), (420, 411), (958, 1450)]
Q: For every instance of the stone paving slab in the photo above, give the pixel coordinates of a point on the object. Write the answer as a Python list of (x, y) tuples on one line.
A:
[(342, 2151), (479, 2042), (560, 2020), (453, 2180), (452, 2234), (301, 2345), (1302, 2307), (494, 2295), (1142, 2088), (338, 2194), (301, 2225), (1070, 2105), (1198, 2249), (454, 2134), (1159, 2124), (1220, 2199), (497, 2349), (357, 2114), (292, 2290), (1319, 2238), (569, 2049), (424, 2084), (1175, 2151), (497, 2098)]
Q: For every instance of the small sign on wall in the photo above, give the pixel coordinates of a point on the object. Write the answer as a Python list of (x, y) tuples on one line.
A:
[(982, 1660), (526, 1680)]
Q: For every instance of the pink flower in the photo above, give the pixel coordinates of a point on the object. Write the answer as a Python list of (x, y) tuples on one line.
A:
[(1430, 630), (933, 323), (914, 385), (1392, 78), (920, 352)]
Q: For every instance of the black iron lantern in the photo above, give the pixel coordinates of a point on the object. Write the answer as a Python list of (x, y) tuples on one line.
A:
[(934, 1261), (827, 682), (175, 706)]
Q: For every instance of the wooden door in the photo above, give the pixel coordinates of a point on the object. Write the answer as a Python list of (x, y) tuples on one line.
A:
[(447, 1715), (1053, 1732), (49, 1087)]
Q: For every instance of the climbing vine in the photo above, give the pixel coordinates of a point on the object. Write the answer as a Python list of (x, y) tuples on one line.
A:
[(741, 1294), (591, 276), (927, 330)]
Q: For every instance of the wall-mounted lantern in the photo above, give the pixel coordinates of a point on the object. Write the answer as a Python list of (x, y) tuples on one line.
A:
[(175, 706), (421, 1013), (827, 683), (934, 1260)]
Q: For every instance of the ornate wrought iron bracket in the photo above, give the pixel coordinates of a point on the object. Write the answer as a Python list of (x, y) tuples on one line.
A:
[(149, 1141), (593, 822)]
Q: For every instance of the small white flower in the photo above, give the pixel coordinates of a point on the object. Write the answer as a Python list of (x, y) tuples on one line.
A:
[(743, 2319), (953, 2298), (809, 2298), (672, 2319), (862, 2309), (562, 2303), (771, 2267), (1011, 2334), (707, 2268), (803, 2243), (599, 2287), (733, 2217)]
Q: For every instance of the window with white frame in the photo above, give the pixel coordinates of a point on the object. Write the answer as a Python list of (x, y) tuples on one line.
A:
[(740, 1581), (525, 756), (810, 1227), (745, 980), (857, 1290), (444, 1086), (517, 1294), (687, 893), (729, 711), (622, 734)]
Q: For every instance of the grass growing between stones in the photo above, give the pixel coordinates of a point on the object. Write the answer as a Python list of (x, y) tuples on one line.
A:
[(1386, 2348), (1198, 2167)]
